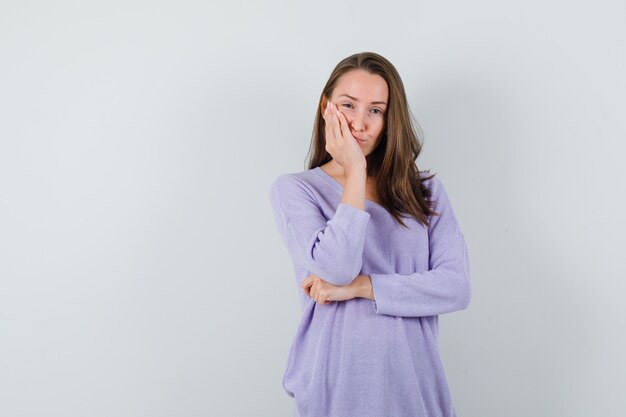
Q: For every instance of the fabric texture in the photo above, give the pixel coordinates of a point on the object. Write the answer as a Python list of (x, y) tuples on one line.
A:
[(362, 357)]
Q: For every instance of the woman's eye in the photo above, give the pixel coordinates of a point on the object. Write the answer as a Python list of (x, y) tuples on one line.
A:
[(377, 111), (348, 105)]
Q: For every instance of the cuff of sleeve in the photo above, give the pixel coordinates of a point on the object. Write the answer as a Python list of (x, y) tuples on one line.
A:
[(346, 215), (378, 290)]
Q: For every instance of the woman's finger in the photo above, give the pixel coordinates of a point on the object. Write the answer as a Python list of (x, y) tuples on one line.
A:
[(324, 298), (343, 124), (330, 140), (317, 292), (306, 284), (336, 127)]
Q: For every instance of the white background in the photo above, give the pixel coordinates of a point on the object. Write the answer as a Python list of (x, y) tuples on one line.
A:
[(141, 273)]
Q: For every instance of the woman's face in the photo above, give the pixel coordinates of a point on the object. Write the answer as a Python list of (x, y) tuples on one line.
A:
[(363, 98)]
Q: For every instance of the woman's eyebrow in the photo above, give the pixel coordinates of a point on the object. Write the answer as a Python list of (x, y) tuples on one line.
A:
[(356, 99)]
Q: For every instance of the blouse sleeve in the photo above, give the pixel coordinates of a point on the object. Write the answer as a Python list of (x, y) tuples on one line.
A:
[(331, 249), (445, 287)]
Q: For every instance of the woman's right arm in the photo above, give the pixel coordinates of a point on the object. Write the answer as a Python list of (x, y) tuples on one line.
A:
[(331, 249)]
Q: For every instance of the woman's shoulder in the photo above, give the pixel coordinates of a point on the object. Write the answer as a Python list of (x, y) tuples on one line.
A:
[(435, 185), (430, 179), (304, 184), (295, 193), (294, 179)]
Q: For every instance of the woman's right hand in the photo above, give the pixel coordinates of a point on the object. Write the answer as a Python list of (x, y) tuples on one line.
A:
[(340, 143)]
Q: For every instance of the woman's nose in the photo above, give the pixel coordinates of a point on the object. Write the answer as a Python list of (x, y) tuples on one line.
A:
[(358, 122)]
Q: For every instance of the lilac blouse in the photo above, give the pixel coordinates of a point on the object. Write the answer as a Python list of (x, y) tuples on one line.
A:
[(362, 357)]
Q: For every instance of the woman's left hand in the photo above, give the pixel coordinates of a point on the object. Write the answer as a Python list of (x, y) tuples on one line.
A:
[(323, 292)]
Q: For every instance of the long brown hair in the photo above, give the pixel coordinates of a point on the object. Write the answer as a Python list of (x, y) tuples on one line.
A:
[(392, 163)]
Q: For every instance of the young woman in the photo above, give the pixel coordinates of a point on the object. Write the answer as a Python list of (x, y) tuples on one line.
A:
[(377, 252)]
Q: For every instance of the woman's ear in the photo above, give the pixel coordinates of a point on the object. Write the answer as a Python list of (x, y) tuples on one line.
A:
[(323, 104)]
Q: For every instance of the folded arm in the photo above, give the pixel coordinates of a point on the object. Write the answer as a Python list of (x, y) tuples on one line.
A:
[(445, 286)]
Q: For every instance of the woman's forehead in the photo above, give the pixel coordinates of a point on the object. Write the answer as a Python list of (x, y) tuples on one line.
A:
[(361, 85)]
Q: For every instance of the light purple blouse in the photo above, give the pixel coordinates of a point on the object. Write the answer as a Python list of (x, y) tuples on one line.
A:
[(362, 357)]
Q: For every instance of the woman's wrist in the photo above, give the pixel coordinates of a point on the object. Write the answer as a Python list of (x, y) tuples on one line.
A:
[(362, 286), (354, 188), (355, 169)]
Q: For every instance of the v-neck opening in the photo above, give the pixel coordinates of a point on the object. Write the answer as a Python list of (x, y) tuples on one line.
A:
[(339, 187)]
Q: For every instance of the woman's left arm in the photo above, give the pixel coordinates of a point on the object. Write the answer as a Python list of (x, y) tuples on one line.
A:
[(444, 288)]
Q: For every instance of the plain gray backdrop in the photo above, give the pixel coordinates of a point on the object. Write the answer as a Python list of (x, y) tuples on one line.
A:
[(141, 273)]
